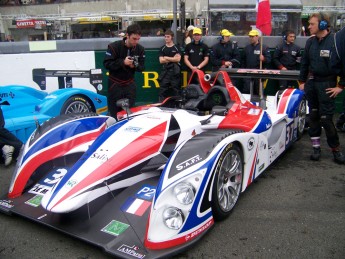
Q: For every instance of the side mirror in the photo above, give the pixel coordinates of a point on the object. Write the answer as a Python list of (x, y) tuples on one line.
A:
[(124, 104)]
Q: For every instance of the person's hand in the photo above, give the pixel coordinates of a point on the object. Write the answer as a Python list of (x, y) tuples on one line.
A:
[(284, 68), (301, 86), (228, 64), (129, 62), (262, 57), (334, 91)]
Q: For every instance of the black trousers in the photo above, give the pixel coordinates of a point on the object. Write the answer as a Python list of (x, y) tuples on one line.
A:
[(321, 110), (169, 84), (7, 138), (117, 92)]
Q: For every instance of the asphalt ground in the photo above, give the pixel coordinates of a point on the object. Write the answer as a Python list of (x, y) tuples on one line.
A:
[(296, 209)]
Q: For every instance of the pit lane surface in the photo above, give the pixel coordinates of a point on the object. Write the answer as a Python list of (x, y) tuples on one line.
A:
[(295, 210)]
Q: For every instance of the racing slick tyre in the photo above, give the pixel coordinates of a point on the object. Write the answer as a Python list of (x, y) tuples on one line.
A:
[(77, 104), (55, 121), (301, 118), (227, 181)]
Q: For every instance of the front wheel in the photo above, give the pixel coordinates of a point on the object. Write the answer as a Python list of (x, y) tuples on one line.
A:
[(301, 118), (76, 104), (227, 181)]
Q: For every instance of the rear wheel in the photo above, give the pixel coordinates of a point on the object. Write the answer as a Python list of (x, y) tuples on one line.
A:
[(76, 104), (227, 182)]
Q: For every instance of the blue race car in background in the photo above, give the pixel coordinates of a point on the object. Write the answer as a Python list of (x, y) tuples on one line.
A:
[(25, 108)]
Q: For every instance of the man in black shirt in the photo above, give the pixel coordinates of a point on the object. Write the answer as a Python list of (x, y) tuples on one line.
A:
[(252, 57), (286, 56), (196, 53), (123, 58), (338, 64), (170, 77), (225, 53), (319, 82)]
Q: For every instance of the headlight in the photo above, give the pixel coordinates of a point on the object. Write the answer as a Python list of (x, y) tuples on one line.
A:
[(184, 192), (173, 218)]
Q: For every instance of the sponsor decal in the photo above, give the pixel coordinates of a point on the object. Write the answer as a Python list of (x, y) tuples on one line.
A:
[(100, 156), (6, 203), (251, 143), (261, 167), (8, 95), (132, 129), (146, 192), (35, 201), (254, 111), (189, 162), (131, 250), (193, 133), (135, 206), (115, 228), (198, 231), (262, 145), (42, 187), (71, 183)]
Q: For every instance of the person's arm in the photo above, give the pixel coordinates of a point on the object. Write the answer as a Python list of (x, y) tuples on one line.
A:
[(112, 60), (215, 58), (304, 69), (187, 62), (267, 55), (236, 60), (276, 58)]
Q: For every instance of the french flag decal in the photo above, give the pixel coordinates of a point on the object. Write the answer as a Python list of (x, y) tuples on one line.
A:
[(135, 206)]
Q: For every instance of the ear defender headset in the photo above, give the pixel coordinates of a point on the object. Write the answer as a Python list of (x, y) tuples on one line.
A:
[(285, 34), (323, 24)]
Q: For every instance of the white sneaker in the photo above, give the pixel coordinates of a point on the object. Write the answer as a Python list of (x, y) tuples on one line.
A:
[(7, 152)]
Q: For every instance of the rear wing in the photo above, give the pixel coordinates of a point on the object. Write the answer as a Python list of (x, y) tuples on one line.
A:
[(65, 77)]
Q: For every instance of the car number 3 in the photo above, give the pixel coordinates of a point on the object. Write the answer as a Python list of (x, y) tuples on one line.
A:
[(289, 133)]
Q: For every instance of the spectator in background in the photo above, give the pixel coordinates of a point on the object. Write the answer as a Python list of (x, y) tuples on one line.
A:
[(188, 35), (9, 38), (286, 56), (123, 58), (196, 53), (10, 145), (170, 77), (225, 53), (252, 57)]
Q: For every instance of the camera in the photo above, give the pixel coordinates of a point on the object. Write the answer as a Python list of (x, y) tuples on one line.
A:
[(135, 60)]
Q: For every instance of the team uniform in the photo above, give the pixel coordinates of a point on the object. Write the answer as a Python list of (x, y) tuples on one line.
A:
[(318, 75), (121, 82), (196, 54), (222, 52), (288, 56), (170, 77), (338, 64), (251, 59)]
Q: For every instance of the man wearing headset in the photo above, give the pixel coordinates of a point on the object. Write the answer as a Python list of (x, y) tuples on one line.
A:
[(319, 82), (225, 53), (196, 54), (286, 57)]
